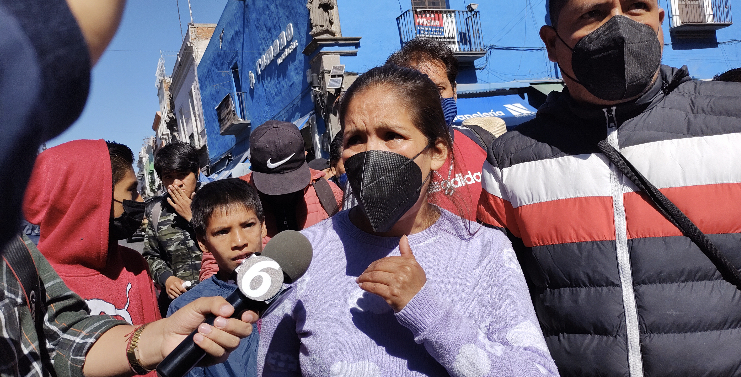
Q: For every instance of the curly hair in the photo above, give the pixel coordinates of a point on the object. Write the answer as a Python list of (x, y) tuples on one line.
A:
[(420, 50)]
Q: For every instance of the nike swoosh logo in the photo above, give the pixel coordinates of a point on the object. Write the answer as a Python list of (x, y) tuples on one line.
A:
[(279, 163)]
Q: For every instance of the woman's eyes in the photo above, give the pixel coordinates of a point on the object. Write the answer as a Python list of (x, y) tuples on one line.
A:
[(393, 136), (352, 140), (387, 136)]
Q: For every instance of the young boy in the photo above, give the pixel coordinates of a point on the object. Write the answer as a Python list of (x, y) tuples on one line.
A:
[(229, 222), (170, 246), (84, 206)]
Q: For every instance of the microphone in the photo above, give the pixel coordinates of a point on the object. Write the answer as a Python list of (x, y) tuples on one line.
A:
[(260, 279)]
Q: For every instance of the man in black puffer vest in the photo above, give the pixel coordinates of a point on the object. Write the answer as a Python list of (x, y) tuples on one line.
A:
[(618, 288)]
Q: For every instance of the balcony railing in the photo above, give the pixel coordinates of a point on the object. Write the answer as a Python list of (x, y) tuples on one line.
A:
[(460, 30), (229, 122), (700, 14)]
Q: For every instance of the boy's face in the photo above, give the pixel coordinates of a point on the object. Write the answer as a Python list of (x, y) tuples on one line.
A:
[(435, 70), (232, 234), (185, 181), (125, 189)]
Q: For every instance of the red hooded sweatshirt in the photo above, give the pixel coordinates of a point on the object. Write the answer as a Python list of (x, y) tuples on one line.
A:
[(70, 197)]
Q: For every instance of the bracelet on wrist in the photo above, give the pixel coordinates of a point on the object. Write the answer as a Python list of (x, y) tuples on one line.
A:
[(134, 362)]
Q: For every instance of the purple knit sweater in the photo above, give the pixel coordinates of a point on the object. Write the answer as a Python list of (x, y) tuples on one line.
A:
[(473, 316)]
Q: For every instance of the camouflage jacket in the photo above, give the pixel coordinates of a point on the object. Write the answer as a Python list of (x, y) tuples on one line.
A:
[(65, 333), (171, 249)]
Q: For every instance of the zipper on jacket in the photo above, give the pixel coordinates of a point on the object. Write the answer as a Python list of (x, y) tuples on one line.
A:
[(617, 189), (610, 119)]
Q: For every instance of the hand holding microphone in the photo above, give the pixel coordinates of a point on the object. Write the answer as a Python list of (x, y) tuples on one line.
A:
[(260, 280)]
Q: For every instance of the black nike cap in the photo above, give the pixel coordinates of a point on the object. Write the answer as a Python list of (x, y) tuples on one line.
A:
[(278, 158)]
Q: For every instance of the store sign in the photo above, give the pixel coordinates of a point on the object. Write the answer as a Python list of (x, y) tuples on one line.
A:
[(429, 24), (281, 47), (518, 109), (508, 107), (479, 114), (437, 25)]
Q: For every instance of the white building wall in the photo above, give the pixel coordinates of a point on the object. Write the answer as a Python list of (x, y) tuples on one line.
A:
[(186, 92)]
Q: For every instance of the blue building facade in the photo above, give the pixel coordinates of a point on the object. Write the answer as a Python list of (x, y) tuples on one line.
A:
[(254, 60), (291, 59)]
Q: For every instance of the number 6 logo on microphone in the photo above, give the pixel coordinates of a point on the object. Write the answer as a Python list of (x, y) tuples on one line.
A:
[(259, 277)]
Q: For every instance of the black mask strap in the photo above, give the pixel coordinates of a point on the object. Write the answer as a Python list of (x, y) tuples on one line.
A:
[(562, 41), (568, 75), (572, 51)]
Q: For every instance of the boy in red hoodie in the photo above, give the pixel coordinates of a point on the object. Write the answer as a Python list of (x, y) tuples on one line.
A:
[(83, 194)]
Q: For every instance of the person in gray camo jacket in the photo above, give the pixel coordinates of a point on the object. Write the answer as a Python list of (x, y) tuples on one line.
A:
[(170, 247)]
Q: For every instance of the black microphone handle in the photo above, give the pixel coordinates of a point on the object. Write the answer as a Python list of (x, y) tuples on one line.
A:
[(187, 354)]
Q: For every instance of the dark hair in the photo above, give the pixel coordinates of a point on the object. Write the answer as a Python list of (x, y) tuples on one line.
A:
[(417, 93), (122, 160), (226, 193), (554, 9), (335, 149), (420, 50), (733, 75), (176, 157)]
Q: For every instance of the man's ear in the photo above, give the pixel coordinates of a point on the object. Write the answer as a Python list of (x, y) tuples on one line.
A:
[(661, 15), (549, 37), (439, 154), (264, 231), (455, 91)]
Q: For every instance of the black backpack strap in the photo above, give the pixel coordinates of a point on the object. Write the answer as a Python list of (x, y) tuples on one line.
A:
[(153, 210), (479, 135), (18, 258), (673, 214), (326, 196)]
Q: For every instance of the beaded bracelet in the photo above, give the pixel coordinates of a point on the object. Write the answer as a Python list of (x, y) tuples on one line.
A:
[(134, 362)]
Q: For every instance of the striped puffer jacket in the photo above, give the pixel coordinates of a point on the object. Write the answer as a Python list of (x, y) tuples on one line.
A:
[(618, 290)]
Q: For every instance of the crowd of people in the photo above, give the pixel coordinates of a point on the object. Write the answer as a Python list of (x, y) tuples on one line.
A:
[(601, 239)]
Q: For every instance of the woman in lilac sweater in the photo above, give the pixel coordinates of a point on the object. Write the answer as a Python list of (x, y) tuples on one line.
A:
[(398, 286)]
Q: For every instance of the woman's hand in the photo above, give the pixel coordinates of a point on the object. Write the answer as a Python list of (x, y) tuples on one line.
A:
[(395, 279), (180, 202)]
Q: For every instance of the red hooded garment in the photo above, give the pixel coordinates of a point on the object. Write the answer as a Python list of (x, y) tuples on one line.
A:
[(70, 197)]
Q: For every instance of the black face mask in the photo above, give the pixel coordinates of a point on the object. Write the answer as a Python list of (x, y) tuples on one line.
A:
[(125, 226), (616, 61), (386, 185)]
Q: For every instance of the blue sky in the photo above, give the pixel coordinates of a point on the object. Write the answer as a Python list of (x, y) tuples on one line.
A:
[(123, 98)]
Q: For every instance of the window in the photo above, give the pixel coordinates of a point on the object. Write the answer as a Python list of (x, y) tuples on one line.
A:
[(430, 4), (238, 105), (699, 15)]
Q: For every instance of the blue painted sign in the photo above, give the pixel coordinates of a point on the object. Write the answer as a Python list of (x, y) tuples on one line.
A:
[(513, 109)]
